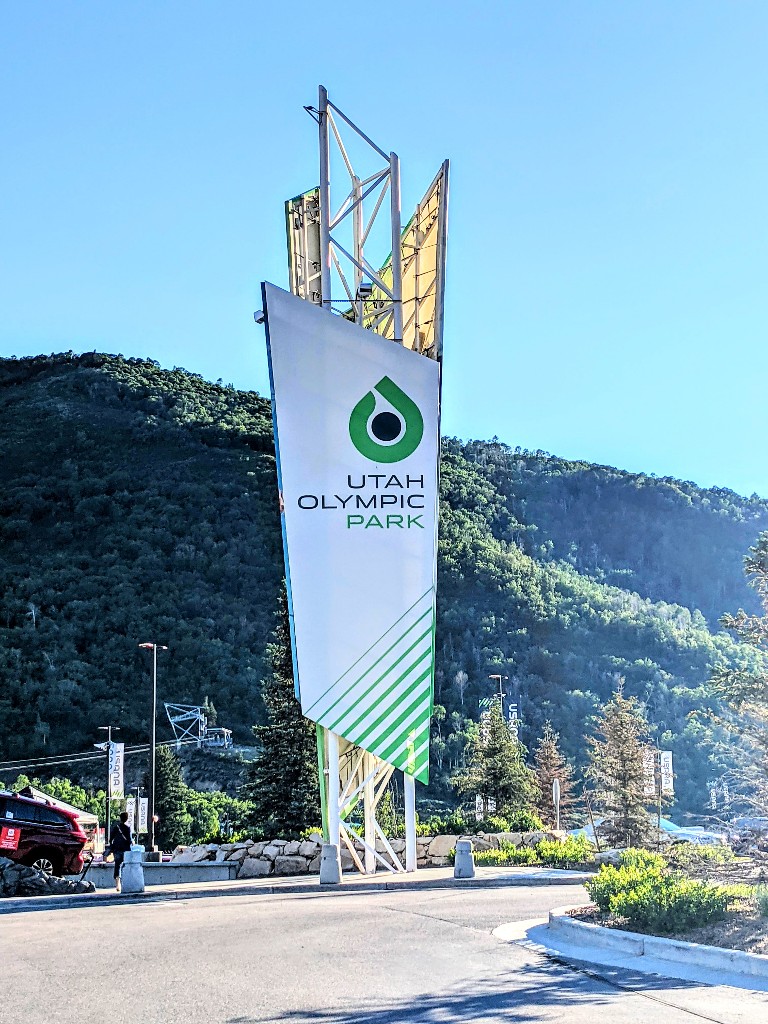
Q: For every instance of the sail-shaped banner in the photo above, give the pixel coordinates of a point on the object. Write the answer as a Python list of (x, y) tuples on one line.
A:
[(356, 431)]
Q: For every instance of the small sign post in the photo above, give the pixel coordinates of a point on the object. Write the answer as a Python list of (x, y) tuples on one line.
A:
[(556, 802)]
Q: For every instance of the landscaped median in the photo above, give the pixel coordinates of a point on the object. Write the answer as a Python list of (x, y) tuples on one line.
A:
[(644, 908)]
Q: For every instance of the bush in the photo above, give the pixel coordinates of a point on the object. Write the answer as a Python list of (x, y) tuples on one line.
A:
[(523, 821), (761, 898), (667, 903), (651, 898), (506, 856), (689, 855), (454, 824), (556, 854)]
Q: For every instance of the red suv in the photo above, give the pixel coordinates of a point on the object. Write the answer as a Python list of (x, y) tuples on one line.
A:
[(35, 833)]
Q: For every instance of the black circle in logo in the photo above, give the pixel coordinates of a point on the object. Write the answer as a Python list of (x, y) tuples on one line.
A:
[(386, 426)]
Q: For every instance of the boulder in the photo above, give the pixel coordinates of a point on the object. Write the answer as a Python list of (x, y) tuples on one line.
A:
[(398, 845), (253, 867), (309, 848), (279, 842), (255, 849), (313, 866), (440, 847), (271, 851), (221, 854), (193, 855), (286, 865), (510, 838), (316, 837), (609, 857), (291, 849), (238, 855)]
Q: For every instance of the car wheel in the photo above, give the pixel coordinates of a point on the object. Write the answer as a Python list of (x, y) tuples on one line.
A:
[(46, 862)]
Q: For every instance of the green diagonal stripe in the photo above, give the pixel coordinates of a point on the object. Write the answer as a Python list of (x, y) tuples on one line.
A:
[(371, 736), (346, 673), (380, 698), (386, 671)]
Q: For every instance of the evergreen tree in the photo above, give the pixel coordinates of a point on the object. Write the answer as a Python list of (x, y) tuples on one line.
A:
[(282, 782), (174, 820), (549, 764), (497, 770), (616, 770)]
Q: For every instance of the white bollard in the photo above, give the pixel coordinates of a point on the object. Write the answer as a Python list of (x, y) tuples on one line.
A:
[(464, 864), (132, 871), (330, 865)]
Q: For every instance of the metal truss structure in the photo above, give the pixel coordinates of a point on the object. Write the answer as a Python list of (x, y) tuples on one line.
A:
[(329, 233), (188, 723)]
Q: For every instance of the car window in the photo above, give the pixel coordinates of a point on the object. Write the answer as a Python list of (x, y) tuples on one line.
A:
[(20, 810)]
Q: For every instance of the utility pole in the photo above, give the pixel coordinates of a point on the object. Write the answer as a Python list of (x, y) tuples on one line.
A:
[(108, 747), (153, 747)]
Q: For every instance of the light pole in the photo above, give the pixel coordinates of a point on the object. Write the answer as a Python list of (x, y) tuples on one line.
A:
[(154, 648), (108, 827)]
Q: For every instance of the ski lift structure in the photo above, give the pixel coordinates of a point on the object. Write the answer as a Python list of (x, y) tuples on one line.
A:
[(190, 724)]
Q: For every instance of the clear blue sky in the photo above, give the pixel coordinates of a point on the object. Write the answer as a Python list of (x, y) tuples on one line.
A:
[(608, 241)]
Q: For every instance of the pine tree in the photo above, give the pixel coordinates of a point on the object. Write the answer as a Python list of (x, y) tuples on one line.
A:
[(497, 770), (174, 820), (616, 770), (549, 764), (282, 782)]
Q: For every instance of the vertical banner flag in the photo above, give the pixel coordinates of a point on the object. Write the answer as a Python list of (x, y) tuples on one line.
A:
[(356, 431), (667, 777), (116, 753), (130, 810), (143, 815), (649, 773)]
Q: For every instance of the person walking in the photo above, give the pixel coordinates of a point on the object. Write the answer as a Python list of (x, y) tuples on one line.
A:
[(120, 843)]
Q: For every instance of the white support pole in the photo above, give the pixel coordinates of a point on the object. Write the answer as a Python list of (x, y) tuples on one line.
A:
[(357, 229), (397, 265), (369, 812), (334, 827), (409, 794), (325, 202)]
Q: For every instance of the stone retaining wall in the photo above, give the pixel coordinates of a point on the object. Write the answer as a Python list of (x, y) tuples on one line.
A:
[(302, 857)]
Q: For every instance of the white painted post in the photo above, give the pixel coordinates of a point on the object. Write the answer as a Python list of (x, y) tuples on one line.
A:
[(333, 789), (369, 813), (409, 793)]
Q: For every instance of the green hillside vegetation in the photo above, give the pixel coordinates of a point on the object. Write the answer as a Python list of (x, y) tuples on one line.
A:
[(140, 504)]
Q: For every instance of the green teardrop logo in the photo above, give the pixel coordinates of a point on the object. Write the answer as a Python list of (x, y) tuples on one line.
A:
[(386, 436)]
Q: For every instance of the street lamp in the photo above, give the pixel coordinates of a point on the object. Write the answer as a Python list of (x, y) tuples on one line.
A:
[(501, 692), (154, 648), (108, 747)]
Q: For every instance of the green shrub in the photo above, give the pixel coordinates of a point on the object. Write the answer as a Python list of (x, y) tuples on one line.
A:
[(667, 903), (761, 897), (506, 856), (455, 824), (572, 850), (523, 821), (651, 898), (635, 857), (689, 855)]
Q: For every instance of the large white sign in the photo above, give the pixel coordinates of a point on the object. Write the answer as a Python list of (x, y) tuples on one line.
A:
[(116, 754), (356, 428)]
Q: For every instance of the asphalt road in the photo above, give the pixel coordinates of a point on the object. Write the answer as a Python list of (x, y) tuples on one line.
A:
[(373, 958)]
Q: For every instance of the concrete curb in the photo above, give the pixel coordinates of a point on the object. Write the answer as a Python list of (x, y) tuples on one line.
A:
[(717, 958), (22, 904)]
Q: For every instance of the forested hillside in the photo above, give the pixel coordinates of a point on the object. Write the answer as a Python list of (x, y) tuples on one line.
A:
[(140, 504)]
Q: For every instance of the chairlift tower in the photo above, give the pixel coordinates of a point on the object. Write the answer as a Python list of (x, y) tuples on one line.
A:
[(331, 232)]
